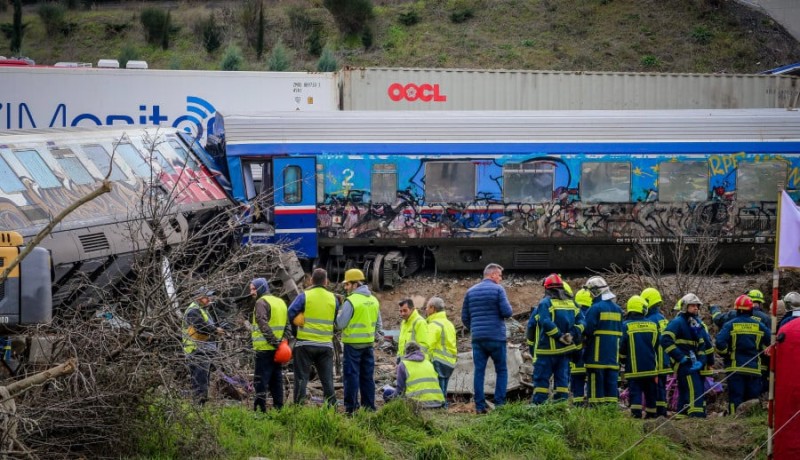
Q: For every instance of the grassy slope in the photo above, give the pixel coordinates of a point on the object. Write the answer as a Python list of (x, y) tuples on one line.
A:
[(397, 431), (610, 35)]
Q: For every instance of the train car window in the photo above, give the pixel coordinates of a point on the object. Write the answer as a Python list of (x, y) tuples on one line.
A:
[(72, 166), (384, 183), (683, 181), (528, 182), (38, 169), (292, 185), (255, 181), (449, 181), (187, 159), (320, 183), (134, 159), (605, 182), (162, 160), (97, 154), (9, 182), (758, 181)]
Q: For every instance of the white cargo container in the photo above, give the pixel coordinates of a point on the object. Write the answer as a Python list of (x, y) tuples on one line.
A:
[(460, 89), (62, 97)]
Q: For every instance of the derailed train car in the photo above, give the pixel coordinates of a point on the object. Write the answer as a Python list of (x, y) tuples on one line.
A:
[(550, 190), (43, 172)]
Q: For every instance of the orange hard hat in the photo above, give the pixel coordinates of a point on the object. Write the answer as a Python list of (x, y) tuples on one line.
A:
[(284, 353), (299, 320)]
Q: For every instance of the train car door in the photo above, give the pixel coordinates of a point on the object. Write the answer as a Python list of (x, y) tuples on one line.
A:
[(295, 203)]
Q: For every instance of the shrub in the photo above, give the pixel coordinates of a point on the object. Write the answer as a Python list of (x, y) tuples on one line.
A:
[(314, 42), (166, 32), (260, 33), (650, 61), (232, 59), (351, 16), (72, 4), (409, 18), (461, 15), (128, 53), (113, 30), (327, 62), (154, 21), (209, 32), (702, 35), (367, 38), (279, 59), (52, 16), (248, 19)]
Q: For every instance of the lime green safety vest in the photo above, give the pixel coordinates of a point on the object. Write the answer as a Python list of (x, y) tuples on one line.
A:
[(277, 322), (442, 348), (190, 336), (414, 329), (422, 382), (319, 315), (361, 328)]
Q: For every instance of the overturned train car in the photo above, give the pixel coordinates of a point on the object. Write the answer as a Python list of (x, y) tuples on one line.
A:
[(550, 190), (43, 172)]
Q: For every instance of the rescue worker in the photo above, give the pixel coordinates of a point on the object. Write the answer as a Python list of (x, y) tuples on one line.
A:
[(199, 331), (603, 333), (532, 330), (269, 325), (639, 348), (413, 328), (442, 342), (359, 318), (314, 312), (719, 318), (417, 379), (654, 303), (483, 312), (561, 324), (577, 366), (684, 340), (739, 343), (792, 302)]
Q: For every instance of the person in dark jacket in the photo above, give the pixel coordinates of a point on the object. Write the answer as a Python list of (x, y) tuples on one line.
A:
[(199, 335), (417, 379), (268, 326), (603, 332), (739, 343), (792, 303), (561, 324), (314, 345), (654, 303), (639, 348), (483, 312), (684, 340), (577, 368)]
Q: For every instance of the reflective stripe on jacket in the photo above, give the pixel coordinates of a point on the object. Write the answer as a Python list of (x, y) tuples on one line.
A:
[(740, 341), (639, 347), (414, 329), (362, 325), (319, 314), (278, 315), (190, 336), (555, 318), (442, 338), (603, 332), (422, 381)]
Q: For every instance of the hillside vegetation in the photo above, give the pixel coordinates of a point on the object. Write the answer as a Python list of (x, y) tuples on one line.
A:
[(601, 35)]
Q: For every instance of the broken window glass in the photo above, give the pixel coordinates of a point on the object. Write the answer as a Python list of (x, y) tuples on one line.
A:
[(605, 182), (449, 181), (683, 181), (528, 182)]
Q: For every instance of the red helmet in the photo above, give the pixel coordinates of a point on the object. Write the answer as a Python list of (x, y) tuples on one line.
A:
[(284, 353), (743, 302), (553, 281)]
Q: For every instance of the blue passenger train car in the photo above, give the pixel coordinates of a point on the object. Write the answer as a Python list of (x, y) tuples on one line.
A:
[(551, 190)]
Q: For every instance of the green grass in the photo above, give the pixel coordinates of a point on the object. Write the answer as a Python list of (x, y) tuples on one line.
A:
[(401, 431), (607, 35)]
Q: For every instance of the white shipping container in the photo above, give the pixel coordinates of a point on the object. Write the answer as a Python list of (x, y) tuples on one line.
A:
[(461, 89), (64, 97)]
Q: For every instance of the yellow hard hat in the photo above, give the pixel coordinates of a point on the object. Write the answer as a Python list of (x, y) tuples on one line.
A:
[(636, 304), (568, 289), (353, 274), (584, 298), (756, 296), (299, 320), (651, 296)]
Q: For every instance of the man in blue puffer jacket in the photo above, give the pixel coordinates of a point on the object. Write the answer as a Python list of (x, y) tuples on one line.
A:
[(483, 312)]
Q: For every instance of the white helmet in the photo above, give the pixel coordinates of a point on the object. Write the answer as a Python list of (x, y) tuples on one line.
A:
[(596, 285), (792, 301), (689, 299)]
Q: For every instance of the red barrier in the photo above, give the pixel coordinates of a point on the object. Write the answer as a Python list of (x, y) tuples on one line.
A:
[(786, 443)]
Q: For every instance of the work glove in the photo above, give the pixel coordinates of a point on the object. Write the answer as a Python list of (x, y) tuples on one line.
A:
[(566, 339), (577, 337), (696, 366)]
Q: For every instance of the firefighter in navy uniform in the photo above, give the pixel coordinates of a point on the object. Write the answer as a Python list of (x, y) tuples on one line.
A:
[(654, 303), (577, 367), (603, 333), (561, 324), (739, 343), (684, 340), (639, 348)]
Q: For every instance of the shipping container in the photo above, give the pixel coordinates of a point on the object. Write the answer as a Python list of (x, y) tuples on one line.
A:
[(460, 89), (64, 97)]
